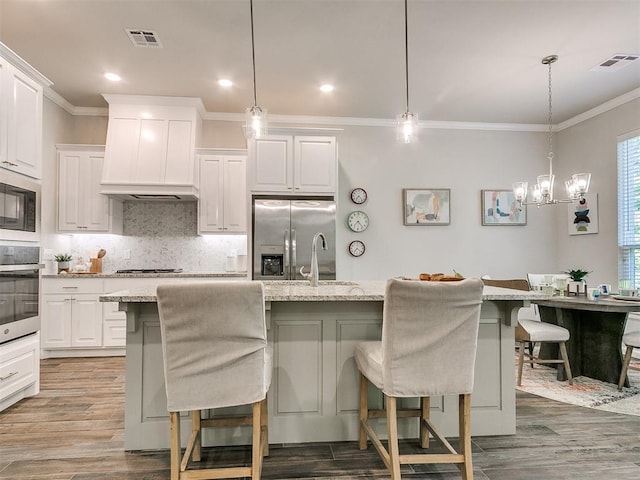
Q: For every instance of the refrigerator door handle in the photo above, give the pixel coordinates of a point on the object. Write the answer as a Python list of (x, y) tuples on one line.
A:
[(294, 268), (286, 272)]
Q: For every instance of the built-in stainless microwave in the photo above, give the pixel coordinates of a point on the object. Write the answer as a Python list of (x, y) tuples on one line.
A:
[(19, 208)]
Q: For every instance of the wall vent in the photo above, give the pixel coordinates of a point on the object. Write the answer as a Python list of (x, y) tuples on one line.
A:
[(143, 38), (615, 63)]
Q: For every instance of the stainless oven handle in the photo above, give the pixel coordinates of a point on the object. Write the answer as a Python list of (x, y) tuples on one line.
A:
[(21, 268)]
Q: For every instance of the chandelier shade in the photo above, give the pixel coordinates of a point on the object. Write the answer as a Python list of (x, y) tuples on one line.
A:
[(542, 192)]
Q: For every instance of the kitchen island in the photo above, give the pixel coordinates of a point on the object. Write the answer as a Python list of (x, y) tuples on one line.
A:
[(314, 391)]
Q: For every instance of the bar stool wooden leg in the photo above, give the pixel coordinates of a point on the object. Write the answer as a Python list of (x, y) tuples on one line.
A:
[(565, 358), (625, 367), (264, 412), (520, 361), (392, 434), (464, 419), (364, 412), (174, 421), (195, 427), (256, 448), (425, 404)]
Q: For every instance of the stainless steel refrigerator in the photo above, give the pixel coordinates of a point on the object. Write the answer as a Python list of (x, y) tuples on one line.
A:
[(282, 234)]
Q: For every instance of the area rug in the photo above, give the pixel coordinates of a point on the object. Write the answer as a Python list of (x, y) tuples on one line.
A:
[(585, 391)]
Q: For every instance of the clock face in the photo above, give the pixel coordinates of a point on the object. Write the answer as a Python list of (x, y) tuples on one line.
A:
[(358, 196), (356, 248), (358, 221)]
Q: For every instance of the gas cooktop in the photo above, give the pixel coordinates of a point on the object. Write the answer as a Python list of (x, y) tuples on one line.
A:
[(150, 270)]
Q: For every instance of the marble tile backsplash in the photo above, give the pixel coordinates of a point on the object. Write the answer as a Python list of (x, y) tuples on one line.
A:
[(160, 235)]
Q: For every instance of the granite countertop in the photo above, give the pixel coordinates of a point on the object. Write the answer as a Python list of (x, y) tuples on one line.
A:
[(581, 302), (148, 275), (327, 291)]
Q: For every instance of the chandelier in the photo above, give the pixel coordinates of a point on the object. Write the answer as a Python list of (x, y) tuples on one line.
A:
[(407, 123), (256, 117), (542, 192)]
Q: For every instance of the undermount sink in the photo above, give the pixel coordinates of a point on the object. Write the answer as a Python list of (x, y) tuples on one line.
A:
[(306, 282)]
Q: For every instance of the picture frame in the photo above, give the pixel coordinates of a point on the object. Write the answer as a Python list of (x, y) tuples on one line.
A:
[(500, 208), (582, 215), (426, 206)]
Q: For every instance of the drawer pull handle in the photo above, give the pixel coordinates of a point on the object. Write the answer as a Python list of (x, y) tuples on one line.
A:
[(72, 288), (2, 379)]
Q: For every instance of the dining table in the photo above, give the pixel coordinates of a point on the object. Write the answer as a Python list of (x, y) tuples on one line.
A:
[(595, 326)]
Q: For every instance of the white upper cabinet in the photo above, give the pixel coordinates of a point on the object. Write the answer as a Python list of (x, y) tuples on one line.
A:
[(222, 207), (20, 115), (81, 206), (294, 164), (151, 146)]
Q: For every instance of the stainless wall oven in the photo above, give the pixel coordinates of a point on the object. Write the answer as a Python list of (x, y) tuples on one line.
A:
[(19, 291), (19, 208)]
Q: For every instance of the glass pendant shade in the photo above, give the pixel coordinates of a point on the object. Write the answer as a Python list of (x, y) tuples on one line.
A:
[(407, 127), (256, 122)]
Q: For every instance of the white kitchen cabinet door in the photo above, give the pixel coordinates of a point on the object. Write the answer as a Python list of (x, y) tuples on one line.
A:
[(20, 122), (56, 321), (272, 164), (222, 203), (235, 194), (86, 321), (315, 164), (81, 206), (299, 165)]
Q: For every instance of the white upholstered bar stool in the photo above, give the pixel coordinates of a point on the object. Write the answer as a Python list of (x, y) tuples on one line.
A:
[(215, 354), (428, 347), (532, 331), (631, 340)]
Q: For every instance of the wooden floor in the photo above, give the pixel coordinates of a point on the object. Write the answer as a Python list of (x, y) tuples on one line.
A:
[(73, 430)]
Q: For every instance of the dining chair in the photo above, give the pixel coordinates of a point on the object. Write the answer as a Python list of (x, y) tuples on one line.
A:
[(428, 348), (533, 331), (631, 340), (215, 355)]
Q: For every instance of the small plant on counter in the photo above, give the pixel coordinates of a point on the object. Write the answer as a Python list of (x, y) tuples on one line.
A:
[(63, 257), (577, 274)]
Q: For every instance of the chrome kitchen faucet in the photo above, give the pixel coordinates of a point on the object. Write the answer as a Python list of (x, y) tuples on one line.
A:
[(314, 275)]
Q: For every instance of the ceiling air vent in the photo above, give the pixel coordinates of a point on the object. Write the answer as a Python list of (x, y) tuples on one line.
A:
[(618, 61), (143, 38)]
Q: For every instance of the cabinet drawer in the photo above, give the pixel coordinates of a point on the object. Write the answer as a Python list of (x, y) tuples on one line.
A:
[(72, 285), (19, 365)]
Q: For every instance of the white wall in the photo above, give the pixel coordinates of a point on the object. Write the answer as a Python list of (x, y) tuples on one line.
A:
[(590, 146)]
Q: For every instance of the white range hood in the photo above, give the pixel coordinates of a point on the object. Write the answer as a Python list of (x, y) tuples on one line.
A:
[(150, 150)]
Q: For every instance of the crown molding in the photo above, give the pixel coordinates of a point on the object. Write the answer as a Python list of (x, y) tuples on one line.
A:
[(375, 122), (600, 109), (17, 61)]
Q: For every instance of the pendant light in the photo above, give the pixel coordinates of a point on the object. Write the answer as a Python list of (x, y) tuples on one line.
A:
[(407, 123), (542, 192), (256, 117)]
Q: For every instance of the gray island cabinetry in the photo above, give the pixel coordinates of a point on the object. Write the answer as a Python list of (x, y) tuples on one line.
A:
[(314, 392)]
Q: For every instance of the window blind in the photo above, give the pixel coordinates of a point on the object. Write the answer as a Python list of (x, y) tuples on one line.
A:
[(629, 207)]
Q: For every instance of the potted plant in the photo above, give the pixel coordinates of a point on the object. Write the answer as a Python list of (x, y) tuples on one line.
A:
[(64, 261), (577, 285)]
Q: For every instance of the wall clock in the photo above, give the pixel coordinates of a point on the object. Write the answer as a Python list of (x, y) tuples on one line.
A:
[(356, 248), (358, 221), (358, 196)]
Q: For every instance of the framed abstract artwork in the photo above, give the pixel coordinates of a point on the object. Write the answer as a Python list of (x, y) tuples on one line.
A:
[(499, 207), (426, 206), (582, 215)]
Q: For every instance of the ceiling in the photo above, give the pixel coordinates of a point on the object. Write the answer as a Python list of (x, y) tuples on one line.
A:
[(469, 61)]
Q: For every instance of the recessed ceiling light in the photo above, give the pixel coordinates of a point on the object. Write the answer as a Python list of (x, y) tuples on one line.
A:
[(223, 82), (112, 77), (327, 88)]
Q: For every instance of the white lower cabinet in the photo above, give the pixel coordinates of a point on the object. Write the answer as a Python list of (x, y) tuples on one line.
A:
[(72, 316), (19, 369)]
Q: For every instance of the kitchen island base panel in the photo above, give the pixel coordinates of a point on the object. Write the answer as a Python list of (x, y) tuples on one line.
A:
[(314, 391)]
